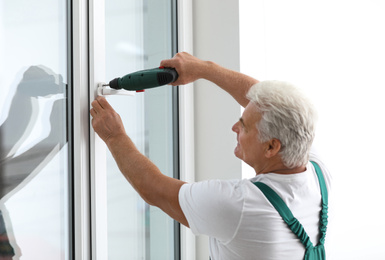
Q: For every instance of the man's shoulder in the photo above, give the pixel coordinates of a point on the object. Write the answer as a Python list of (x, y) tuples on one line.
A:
[(214, 187)]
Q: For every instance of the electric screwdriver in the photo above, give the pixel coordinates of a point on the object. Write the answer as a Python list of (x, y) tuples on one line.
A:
[(145, 79)]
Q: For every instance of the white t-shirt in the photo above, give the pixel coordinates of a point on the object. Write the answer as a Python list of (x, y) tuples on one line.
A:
[(241, 222)]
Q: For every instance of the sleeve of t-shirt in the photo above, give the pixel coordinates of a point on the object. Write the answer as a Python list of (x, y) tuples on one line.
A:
[(213, 208)]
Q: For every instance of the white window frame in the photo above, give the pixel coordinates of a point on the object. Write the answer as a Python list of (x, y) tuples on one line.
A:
[(186, 120), (81, 234), (98, 164)]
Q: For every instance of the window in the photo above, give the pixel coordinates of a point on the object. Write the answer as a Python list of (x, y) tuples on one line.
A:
[(138, 35), (62, 196), (35, 135)]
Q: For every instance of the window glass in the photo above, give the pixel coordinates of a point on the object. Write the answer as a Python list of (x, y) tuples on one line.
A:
[(139, 34), (34, 148)]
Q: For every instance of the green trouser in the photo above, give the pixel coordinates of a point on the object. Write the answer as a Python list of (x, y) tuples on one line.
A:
[(312, 252)]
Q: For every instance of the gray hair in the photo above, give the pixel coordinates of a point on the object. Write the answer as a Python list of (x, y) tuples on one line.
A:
[(288, 116)]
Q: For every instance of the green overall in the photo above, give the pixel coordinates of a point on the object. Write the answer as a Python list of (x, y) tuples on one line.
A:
[(312, 252)]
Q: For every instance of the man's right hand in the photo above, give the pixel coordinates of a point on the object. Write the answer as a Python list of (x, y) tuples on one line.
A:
[(191, 68), (188, 67)]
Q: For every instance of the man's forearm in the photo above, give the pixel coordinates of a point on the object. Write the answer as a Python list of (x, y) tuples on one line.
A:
[(235, 83), (136, 168), (154, 187), (191, 68)]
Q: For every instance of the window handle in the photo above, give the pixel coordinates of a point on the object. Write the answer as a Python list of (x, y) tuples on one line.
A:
[(104, 90)]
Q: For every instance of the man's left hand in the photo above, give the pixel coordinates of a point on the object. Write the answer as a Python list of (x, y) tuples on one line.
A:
[(105, 121)]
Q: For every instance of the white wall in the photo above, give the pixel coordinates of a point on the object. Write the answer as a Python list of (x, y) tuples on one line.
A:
[(334, 50), (216, 38)]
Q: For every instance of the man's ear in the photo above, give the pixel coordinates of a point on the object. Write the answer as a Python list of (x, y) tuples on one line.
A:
[(273, 148)]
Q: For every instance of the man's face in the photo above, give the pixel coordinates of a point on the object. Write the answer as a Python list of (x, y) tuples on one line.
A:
[(249, 148)]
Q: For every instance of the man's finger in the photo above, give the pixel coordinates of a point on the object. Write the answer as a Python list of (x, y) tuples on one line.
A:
[(96, 105), (93, 112), (164, 63), (104, 103), (170, 63)]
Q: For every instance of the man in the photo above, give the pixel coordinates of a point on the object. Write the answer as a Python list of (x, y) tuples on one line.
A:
[(274, 136)]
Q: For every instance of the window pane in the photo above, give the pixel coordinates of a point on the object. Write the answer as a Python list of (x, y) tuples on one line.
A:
[(34, 151), (138, 36)]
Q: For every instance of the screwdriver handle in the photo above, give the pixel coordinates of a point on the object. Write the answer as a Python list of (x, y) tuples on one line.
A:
[(145, 79)]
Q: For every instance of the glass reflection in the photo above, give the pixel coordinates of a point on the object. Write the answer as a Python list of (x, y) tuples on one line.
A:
[(38, 90), (34, 156)]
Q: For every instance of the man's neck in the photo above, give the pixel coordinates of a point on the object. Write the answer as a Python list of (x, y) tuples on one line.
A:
[(280, 168)]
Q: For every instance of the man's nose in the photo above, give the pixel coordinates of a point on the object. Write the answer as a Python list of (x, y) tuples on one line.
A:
[(235, 127)]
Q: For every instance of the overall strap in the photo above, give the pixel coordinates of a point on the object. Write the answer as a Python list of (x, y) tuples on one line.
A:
[(325, 199), (287, 215)]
